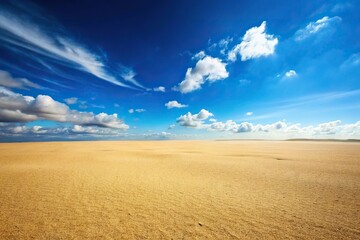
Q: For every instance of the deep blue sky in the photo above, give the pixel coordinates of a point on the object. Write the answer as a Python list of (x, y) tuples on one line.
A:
[(236, 69)]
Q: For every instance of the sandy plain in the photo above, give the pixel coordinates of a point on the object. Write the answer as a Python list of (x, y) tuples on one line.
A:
[(180, 190)]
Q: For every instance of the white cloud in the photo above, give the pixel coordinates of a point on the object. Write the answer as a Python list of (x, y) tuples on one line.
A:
[(129, 75), (199, 55), (194, 120), (223, 44), (315, 27), (174, 104), (16, 107), (23, 34), (249, 113), (159, 89), (72, 100), (8, 81), (207, 69), (276, 130), (172, 126), (256, 43), (290, 74), (139, 110)]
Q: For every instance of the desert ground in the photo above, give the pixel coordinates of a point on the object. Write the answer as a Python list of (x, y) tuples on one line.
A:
[(180, 190)]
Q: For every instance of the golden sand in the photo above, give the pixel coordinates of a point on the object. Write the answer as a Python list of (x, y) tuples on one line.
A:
[(180, 189)]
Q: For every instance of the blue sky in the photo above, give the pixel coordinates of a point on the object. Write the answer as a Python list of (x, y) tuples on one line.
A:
[(179, 70)]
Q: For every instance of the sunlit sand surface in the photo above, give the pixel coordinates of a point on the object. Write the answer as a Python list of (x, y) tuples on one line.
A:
[(180, 190)]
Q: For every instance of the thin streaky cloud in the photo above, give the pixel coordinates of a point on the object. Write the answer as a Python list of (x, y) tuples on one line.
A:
[(24, 34)]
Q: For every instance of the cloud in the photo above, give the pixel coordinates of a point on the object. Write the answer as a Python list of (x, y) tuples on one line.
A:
[(206, 69), (159, 89), (199, 55), (352, 61), (249, 113), (158, 136), (290, 74), (42, 38), (72, 100), (172, 126), (256, 43), (139, 110), (174, 104), (129, 75), (279, 129), (15, 107), (8, 81), (194, 120), (316, 27)]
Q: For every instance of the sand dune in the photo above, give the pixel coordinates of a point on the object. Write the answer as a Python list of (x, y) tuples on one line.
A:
[(180, 190)]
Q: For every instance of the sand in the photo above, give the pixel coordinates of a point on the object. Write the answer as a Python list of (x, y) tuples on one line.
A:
[(180, 190)]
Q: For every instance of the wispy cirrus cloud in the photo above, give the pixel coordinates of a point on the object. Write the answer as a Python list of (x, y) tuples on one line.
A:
[(316, 27), (29, 33)]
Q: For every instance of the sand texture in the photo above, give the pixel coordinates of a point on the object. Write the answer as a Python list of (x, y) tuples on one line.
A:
[(180, 190)]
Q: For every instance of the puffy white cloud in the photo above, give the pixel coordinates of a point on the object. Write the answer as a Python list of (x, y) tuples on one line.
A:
[(290, 74), (72, 100), (174, 104), (315, 27), (206, 69), (255, 43), (159, 89), (15, 107), (249, 113), (279, 129), (8, 81), (194, 120)]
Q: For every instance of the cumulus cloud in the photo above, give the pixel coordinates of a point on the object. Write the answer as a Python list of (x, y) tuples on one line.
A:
[(249, 113), (174, 104), (316, 27), (194, 120), (23, 33), (279, 129), (290, 74), (206, 69), (159, 89), (15, 107), (9, 81), (255, 43)]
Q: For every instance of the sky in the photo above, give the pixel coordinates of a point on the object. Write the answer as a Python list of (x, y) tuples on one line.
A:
[(230, 69)]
